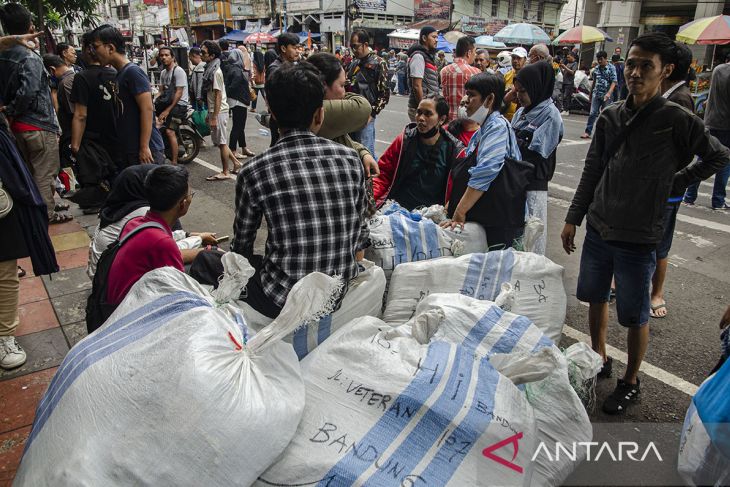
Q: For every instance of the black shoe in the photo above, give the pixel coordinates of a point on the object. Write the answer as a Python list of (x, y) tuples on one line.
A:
[(607, 369), (622, 397), (721, 208)]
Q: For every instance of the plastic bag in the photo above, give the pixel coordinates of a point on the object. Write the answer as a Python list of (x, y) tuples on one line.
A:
[(199, 118)]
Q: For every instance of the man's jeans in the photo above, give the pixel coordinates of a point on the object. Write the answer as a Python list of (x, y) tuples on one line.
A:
[(718, 189), (366, 137), (597, 104)]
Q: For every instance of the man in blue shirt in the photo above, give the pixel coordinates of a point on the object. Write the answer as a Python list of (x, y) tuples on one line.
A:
[(618, 93), (604, 82), (139, 139)]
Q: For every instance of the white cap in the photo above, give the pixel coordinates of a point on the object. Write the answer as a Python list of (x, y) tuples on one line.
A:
[(519, 51)]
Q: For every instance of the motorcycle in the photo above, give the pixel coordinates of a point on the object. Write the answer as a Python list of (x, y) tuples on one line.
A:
[(189, 139)]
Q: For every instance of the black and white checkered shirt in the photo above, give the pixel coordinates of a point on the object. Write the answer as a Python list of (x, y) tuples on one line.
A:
[(312, 193)]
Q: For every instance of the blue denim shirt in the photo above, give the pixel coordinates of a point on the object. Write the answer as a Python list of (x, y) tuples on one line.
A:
[(24, 89)]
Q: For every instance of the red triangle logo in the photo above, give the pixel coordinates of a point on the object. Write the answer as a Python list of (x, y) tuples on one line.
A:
[(512, 440)]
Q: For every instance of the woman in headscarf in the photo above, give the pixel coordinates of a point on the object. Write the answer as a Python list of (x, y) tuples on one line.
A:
[(127, 200), (488, 178), (538, 127)]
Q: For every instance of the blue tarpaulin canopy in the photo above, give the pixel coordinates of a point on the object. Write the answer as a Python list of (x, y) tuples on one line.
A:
[(236, 35), (444, 45)]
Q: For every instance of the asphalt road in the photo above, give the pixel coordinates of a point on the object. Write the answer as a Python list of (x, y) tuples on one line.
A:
[(684, 346)]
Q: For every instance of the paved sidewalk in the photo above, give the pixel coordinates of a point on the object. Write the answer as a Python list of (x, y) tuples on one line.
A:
[(51, 322)]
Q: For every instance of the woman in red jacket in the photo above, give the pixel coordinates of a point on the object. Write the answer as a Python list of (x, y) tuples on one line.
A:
[(414, 170)]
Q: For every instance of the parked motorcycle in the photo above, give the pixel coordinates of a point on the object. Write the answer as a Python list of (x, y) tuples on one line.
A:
[(189, 139)]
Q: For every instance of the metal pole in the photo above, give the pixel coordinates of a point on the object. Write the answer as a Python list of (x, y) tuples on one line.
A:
[(575, 14), (285, 26), (188, 28), (131, 20), (346, 40)]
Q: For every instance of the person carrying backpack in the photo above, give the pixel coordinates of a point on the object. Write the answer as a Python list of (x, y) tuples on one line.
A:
[(145, 243), (238, 91)]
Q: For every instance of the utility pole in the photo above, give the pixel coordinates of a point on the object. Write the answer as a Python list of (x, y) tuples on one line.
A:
[(188, 28), (575, 14), (346, 40)]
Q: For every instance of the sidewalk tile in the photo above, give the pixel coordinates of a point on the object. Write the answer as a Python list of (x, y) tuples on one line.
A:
[(45, 349), (36, 317), (32, 290), (69, 241), (67, 282), (75, 332), (71, 308), (11, 450), (19, 398), (68, 259), (61, 228)]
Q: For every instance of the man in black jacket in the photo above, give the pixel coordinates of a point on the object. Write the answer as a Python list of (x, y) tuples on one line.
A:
[(638, 158), (368, 76)]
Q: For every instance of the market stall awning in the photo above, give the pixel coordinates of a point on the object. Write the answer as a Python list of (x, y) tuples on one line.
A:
[(236, 35)]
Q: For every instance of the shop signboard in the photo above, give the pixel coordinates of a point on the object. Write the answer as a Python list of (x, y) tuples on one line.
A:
[(473, 25), (371, 4), (400, 43), (302, 5), (431, 9)]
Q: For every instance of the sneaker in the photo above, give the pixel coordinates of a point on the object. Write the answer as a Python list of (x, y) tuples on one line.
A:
[(606, 370), (721, 208), (565, 112), (12, 354), (622, 397)]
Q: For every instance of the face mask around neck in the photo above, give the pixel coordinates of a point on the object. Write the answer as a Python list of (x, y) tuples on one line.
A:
[(480, 115), (430, 133)]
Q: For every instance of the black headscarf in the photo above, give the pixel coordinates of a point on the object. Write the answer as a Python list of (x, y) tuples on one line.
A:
[(538, 80), (269, 57), (127, 194)]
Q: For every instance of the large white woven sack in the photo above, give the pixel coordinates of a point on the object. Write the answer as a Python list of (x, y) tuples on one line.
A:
[(520, 351), (173, 390), (537, 281), (364, 298), (384, 408), (397, 238)]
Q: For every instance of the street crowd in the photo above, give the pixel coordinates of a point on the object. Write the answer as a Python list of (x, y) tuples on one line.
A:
[(482, 140)]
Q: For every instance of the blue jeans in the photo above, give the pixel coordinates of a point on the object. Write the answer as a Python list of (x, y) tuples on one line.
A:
[(632, 268), (718, 189), (597, 104), (366, 137), (402, 84)]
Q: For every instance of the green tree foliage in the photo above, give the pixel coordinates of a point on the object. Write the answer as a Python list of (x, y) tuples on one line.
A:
[(58, 12)]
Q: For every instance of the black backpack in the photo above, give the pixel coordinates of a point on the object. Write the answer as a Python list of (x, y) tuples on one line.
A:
[(97, 309)]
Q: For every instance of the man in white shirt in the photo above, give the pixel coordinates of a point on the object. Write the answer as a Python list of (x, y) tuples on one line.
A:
[(215, 90)]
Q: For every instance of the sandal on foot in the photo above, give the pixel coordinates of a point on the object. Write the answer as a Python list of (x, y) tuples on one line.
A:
[(21, 272), (654, 309), (585, 136), (61, 207), (219, 177), (59, 218), (247, 153), (236, 167)]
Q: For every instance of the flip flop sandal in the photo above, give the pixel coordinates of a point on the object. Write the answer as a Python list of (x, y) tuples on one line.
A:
[(61, 207), (655, 308), (236, 167), (59, 218), (248, 153), (21, 272), (219, 177)]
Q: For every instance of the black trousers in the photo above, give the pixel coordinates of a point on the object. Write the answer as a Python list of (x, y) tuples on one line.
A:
[(207, 268), (238, 131)]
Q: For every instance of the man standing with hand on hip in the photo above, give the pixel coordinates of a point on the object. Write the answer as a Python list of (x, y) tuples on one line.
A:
[(423, 76), (639, 156)]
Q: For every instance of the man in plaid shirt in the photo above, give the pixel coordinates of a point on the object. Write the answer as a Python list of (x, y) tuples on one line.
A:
[(310, 190), (455, 75)]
